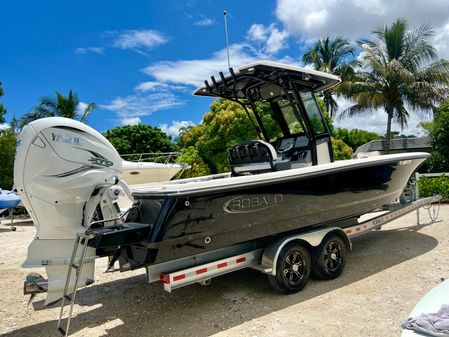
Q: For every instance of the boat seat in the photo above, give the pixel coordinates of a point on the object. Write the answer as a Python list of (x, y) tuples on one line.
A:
[(252, 157)]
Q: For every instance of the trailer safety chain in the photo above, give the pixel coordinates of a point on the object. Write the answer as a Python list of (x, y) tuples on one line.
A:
[(435, 210)]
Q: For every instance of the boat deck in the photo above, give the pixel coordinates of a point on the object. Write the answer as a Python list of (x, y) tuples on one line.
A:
[(224, 181)]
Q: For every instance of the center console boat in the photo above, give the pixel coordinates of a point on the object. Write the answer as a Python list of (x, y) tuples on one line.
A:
[(283, 181)]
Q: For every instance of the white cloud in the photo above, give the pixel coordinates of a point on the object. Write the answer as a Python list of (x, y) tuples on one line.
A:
[(173, 129), (95, 50), (273, 39), (4, 126), (194, 72), (138, 39), (442, 42), (140, 105), (376, 121), (204, 22), (151, 86), (131, 121), (147, 86), (276, 41), (257, 32), (311, 19)]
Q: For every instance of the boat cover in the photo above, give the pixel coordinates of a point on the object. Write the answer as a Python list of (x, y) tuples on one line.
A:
[(8, 199)]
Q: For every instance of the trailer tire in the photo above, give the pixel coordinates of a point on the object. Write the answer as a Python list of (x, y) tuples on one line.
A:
[(329, 258), (293, 269)]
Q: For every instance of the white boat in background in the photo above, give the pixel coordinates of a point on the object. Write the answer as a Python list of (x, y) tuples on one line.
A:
[(150, 167), (135, 173)]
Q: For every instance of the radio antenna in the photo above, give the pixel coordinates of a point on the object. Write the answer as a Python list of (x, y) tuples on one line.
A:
[(227, 37)]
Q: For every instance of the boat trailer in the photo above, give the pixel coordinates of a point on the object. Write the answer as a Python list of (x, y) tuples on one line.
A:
[(267, 260)]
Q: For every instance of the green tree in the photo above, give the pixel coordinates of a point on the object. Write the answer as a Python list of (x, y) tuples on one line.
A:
[(191, 156), (439, 139), (135, 139), (355, 137), (397, 134), (8, 150), (396, 73), (61, 106), (332, 55), (224, 125), (341, 150)]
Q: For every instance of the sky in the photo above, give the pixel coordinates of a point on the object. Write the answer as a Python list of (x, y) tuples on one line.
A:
[(140, 60)]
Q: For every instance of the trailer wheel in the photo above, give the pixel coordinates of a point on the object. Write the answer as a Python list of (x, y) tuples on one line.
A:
[(329, 258), (292, 269)]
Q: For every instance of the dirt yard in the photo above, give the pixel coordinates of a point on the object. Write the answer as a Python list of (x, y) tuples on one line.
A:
[(387, 272)]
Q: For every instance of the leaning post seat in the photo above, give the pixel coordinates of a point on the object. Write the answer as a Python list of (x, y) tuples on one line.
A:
[(252, 157)]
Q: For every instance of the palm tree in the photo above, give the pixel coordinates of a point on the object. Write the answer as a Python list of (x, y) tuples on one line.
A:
[(397, 75), (332, 56), (62, 106)]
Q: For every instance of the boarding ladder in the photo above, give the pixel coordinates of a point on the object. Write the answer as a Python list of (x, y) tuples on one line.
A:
[(82, 239)]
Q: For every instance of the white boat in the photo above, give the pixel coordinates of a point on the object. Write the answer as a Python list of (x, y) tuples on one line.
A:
[(135, 173)]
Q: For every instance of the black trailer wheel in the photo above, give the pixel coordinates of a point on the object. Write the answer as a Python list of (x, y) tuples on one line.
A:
[(292, 269), (329, 258)]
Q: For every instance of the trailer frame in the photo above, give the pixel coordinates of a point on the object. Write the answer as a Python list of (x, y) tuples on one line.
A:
[(203, 267)]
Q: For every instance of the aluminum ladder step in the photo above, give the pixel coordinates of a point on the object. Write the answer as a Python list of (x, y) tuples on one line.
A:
[(82, 239)]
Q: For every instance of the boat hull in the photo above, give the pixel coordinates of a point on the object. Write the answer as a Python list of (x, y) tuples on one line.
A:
[(192, 224), (142, 172)]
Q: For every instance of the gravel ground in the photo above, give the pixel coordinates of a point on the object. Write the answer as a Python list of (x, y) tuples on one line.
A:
[(387, 272)]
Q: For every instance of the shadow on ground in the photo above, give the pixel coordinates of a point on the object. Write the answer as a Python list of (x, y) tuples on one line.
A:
[(146, 310)]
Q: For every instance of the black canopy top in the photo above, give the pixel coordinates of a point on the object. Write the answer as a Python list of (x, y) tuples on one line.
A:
[(264, 77)]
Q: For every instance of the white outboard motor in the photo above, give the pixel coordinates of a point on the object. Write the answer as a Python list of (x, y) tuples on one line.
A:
[(67, 175)]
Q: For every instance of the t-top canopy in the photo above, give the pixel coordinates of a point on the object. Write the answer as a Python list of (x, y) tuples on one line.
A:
[(237, 84)]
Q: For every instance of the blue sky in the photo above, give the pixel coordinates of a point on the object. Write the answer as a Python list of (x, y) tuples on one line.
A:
[(141, 60)]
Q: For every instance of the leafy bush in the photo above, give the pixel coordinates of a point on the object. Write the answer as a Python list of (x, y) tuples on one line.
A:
[(439, 138), (433, 186), (341, 150), (139, 138), (8, 150), (355, 137), (191, 156)]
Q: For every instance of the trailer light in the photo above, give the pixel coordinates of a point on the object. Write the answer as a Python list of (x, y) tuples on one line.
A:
[(164, 278)]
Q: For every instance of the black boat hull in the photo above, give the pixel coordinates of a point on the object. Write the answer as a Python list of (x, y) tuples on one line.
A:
[(194, 224)]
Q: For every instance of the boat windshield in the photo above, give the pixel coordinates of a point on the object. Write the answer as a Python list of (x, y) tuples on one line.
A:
[(282, 118), (293, 123), (313, 112)]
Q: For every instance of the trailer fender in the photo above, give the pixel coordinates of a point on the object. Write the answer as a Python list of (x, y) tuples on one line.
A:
[(311, 239)]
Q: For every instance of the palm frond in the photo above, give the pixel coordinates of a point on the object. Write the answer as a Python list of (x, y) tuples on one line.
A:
[(89, 108), (355, 110), (401, 116)]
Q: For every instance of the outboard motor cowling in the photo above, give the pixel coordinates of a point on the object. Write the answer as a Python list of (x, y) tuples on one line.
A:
[(62, 171)]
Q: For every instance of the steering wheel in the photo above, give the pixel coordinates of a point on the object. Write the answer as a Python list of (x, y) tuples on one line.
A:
[(286, 146)]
